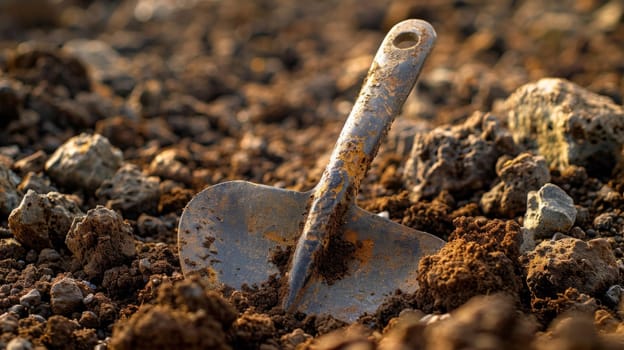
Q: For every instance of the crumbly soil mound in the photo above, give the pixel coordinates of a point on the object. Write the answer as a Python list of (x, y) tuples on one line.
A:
[(481, 257), (185, 315)]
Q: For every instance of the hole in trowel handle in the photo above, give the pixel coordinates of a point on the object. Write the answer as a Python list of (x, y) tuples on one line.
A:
[(406, 40)]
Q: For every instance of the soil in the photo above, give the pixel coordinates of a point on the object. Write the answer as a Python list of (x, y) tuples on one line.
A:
[(189, 94)]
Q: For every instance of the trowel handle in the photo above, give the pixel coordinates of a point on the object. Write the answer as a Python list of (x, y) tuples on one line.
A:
[(391, 77)]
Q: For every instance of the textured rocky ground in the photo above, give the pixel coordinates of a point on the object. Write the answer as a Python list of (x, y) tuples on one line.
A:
[(113, 114)]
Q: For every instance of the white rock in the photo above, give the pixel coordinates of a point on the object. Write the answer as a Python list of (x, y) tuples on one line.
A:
[(549, 210)]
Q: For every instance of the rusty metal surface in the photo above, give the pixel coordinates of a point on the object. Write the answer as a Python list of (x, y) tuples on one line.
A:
[(228, 231), (390, 79)]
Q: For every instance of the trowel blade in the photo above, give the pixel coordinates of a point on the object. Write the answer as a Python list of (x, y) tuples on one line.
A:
[(229, 231)]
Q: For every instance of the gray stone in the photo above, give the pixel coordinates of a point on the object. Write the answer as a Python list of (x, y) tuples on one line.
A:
[(131, 192), (517, 177), (65, 296), (42, 221), (456, 159), (19, 344), (84, 161), (9, 195), (567, 124), (100, 240), (30, 299), (549, 210)]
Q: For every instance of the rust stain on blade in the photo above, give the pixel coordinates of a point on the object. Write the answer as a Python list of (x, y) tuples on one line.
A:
[(363, 248)]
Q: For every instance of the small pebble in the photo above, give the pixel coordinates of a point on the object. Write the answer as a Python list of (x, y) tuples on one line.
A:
[(549, 210), (30, 299), (19, 344), (48, 255), (614, 294), (145, 266), (65, 296), (88, 299)]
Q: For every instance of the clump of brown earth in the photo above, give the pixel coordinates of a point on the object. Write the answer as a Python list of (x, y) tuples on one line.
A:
[(481, 257)]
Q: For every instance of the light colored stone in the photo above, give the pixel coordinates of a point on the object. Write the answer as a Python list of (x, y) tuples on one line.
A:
[(105, 64), (65, 296), (567, 124), (84, 161), (42, 221), (549, 210)]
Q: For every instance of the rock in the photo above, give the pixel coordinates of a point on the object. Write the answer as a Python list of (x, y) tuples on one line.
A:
[(9, 195), (48, 255), (168, 164), (11, 249), (65, 296), (457, 159), (518, 176), (549, 210), (105, 64), (567, 124), (36, 182), (10, 102), (32, 163), (131, 192), (30, 299), (42, 221), (19, 344), (554, 266), (484, 322), (614, 294), (84, 161), (100, 240)]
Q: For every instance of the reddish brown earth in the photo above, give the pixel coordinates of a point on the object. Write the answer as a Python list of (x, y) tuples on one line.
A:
[(258, 90)]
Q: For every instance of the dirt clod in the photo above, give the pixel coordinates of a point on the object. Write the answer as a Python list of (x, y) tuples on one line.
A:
[(100, 240), (480, 258)]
